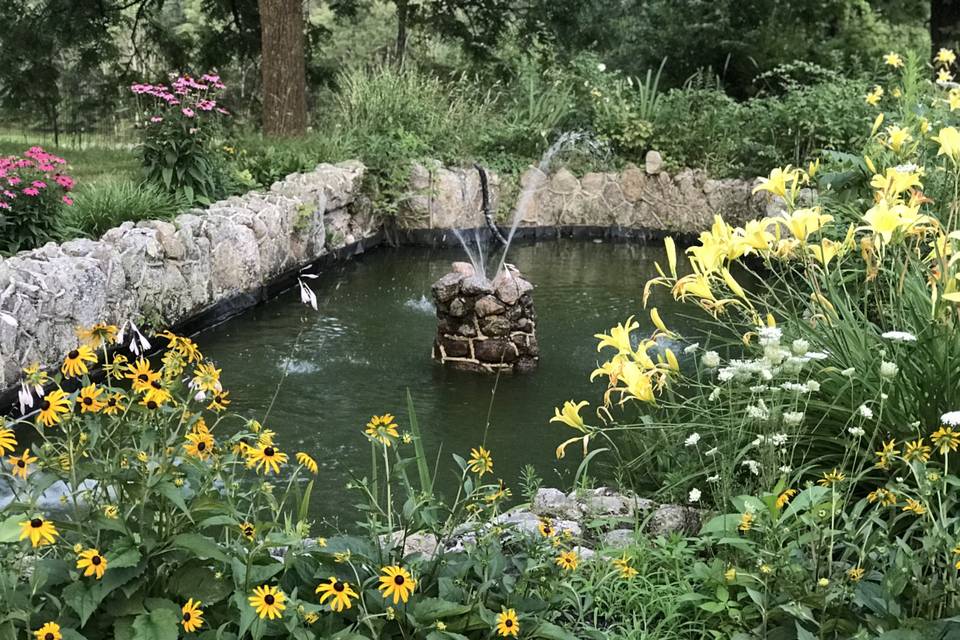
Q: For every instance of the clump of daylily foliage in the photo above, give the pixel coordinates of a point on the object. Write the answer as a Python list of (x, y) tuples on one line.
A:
[(137, 505), (822, 417)]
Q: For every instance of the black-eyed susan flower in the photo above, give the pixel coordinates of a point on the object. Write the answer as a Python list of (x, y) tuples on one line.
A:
[(831, 478), (567, 560), (199, 444), (746, 522), (38, 531), (883, 497), (914, 506), (111, 511), (75, 364), (206, 378), (248, 531), (266, 436), (481, 461), (49, 631), (266, 458), (141, 375), (97, 335), (92, 562), (396, 582), (855, 574), (191, 616), (382, 429), (784, 498), (337, 592), (8, 440), (116, 367), (158, 393), (182, 345), (502, 492), (89, 399), (546, 529), (730, 574), (220, 401), (53, 406), (887, 454), (307, 462), (624, 567), (507, 623), (20, 465), (945, 439), (268, 601), (917, 450), (114, 404)]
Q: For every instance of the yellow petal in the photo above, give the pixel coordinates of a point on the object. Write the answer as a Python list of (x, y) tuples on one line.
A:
[(671, 255), (658, 322), (733, 284)]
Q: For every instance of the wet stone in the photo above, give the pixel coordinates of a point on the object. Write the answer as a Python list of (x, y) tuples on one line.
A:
[(495, 326), (446, 288), (458, 308), (455, 348), (495, 350), (476, 286), (488, 306)]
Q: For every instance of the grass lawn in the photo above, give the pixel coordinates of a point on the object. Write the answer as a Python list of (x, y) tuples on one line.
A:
[(88, 165)]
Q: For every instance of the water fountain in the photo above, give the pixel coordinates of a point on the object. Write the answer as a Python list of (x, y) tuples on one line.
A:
[(486, 322)]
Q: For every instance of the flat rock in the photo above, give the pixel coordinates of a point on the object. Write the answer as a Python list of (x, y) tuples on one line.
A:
[(488, 306), (673, 518), (446, 288), (553, 502), (476, 285)]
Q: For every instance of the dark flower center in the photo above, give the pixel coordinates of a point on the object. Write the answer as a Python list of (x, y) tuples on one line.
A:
[(398, 580), (88, 401), (338, 586), (45, 405), (21, 464), (248, 531), (143, 377), (268, 599), (269, 452), (201, 446), (112, 402), (49, 636), (508, 623), (36, 523), (186, 616), (156, 385), (96, 560), (73, 355), (152, 404)]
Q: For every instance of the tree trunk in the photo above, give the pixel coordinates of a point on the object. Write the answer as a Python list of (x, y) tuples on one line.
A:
[(283, 68), (944, 24), (403, 15)]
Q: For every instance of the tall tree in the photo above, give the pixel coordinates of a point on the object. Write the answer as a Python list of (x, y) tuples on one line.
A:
[(283, 68), (944, 24)]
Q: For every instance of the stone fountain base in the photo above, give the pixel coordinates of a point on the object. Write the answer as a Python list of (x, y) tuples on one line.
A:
[(483, 325)]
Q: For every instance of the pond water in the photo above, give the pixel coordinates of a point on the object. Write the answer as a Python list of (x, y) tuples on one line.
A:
[(371, 341)]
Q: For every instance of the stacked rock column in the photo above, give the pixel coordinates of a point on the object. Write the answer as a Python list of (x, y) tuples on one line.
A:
[(483, 325)]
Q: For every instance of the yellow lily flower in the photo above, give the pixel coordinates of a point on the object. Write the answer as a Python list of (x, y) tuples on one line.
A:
[(824, 251), (883, 219), (570, 415), (778, 182), (945, 56), (894, 60), (949, 140), (658, 323), (619, 337), (897, 137), (894, 182), (756, 236), (803, 222)]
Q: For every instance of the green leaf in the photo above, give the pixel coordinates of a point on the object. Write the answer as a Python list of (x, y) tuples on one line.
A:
[(175, 495), (198, 582), (426, 483), (10, 529), (159, 624), (429, 610), (803, 634), (123, 558), (200, 546), (551, 631)]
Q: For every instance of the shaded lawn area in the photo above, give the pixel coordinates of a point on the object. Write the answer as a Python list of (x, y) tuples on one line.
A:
[(89, 165)]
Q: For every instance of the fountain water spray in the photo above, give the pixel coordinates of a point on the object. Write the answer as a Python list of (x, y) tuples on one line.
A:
[(486, 322)]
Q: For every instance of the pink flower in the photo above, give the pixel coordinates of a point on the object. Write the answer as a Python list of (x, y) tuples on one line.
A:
[(4, 205), (67, 200), (156, 119), (66, 182), (30, 191), (187, 111), (13, 180), (39, 184)]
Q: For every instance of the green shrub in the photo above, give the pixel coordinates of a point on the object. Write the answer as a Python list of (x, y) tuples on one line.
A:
[(109, 204)]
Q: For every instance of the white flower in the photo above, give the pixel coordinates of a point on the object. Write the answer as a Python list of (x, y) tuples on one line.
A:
[(865, 411), (714, 479), (714, 395), (792, 418), (601, 67), (694, 495), (786, 468), (794, 386), (909, 167), (888, 370), (899, 336), (951, 418), (753, 465), (849, 372), (712, 452), (726, 374), (692, 440), (817, 355), (758, 412), (769, 336), (778, 439), (856, 432), (799, 347), (711, 359), (691, 348), (813, 386), (760, 388)]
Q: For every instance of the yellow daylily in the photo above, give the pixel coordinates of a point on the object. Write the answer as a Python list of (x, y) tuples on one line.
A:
[(949, 141), (570, 415), (779, 181), (756, 236), (659, 324), (945, 56), (894, 60), (892, 183), (619, 337), (824, 251), (883, 219), (803, 222), (897, 137)]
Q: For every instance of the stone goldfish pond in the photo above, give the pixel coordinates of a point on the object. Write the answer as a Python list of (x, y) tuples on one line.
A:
[(371, 341)]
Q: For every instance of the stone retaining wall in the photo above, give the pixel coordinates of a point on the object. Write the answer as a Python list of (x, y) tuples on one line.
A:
[(166, 272), (638, 198)]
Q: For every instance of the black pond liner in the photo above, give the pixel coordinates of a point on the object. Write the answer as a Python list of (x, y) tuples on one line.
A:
[(232, 306)]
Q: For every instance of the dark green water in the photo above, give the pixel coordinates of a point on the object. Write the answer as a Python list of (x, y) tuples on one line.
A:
[(371, 341)]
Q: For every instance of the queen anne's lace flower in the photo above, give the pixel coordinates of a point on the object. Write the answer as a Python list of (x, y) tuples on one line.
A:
[(899, 336)]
